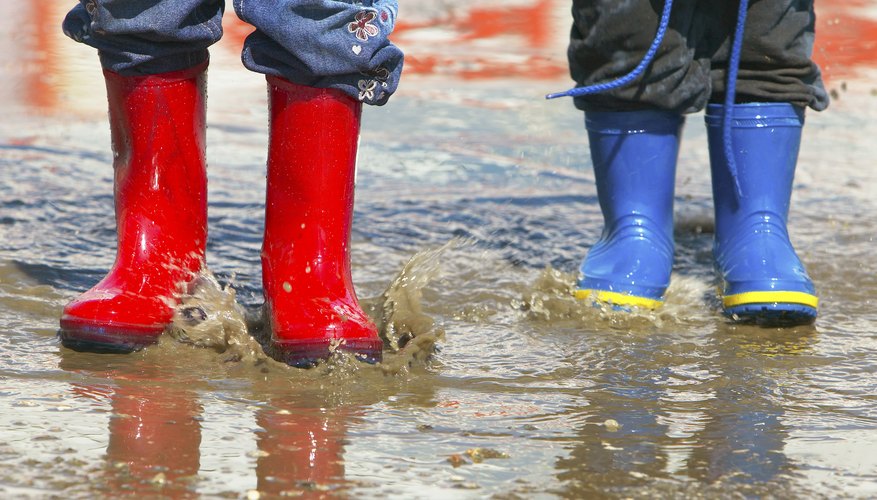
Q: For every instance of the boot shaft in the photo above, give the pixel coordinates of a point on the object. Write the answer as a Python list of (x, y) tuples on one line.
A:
[(765, 138), (634, 156), (157, 126), (314, 135)]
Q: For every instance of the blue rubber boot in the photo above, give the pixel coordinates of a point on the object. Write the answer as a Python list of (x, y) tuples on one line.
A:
[(634, 155), (763, 280)]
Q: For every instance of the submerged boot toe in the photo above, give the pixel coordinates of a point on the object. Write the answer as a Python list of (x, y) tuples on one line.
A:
[(107, 322), (635, 274)]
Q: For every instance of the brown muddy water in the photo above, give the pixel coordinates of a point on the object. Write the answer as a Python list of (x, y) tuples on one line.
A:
[(475, 204)]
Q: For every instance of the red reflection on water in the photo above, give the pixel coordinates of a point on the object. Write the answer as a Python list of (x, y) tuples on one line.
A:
[(522, 31), (302, 449), (154, 439), (846, 38), (154, 443), (41, 54)]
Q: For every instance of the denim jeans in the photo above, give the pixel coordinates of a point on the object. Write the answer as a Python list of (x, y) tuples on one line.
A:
[(341, 44)]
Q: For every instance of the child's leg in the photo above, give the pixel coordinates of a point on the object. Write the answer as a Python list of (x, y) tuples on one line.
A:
[(155, 76), (147, 37), (775, 63), (763, 280), (323, 60), (338, 44), (609, 39), (634, 135)]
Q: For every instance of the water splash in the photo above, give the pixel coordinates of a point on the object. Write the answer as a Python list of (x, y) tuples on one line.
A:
[(407, 331), (209, 317), (551, 300)]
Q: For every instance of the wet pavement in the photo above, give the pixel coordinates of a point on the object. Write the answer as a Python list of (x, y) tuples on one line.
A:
[(475, 203)]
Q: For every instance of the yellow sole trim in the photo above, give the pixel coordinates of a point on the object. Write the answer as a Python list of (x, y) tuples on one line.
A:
[(771, 298), (618, 299)]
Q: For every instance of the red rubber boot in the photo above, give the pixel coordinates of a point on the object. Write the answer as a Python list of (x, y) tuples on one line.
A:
[(310, 303), (157, 127)]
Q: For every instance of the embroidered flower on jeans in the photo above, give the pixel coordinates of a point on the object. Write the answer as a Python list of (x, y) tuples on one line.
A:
[(367, 90), (380, 74), (90, 7), (362, 27), (78, 36)]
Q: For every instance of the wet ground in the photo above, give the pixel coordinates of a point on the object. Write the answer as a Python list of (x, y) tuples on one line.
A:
[(475, 204)]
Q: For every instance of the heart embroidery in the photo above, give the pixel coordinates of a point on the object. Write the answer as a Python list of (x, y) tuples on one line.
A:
[(357, 49)]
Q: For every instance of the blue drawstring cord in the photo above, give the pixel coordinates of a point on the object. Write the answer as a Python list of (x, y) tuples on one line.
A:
[(624, 80), (730, 92), (730, 95)]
